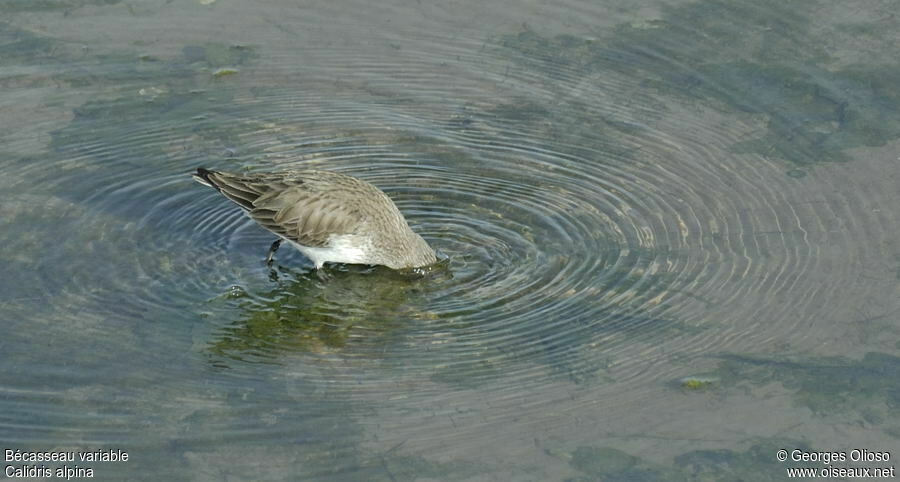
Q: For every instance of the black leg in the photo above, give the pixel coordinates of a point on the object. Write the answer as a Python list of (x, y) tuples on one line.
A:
[(272, 250)]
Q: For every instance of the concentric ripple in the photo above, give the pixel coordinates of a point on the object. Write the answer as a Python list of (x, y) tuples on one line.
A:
[(613, 211), (553, 247)]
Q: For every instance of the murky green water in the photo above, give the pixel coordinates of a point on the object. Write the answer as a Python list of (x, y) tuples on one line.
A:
[(671, 231)]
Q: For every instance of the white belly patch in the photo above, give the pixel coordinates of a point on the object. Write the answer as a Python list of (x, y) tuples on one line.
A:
[(346, 248)]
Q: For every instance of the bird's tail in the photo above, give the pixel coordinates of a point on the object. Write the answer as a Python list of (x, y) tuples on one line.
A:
[(242, 190), (202, 176)]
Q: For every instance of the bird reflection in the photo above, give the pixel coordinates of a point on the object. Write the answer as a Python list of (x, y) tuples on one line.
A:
[(341, 307)]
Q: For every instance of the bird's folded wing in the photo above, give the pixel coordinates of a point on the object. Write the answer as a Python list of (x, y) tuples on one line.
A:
[(301, 216)]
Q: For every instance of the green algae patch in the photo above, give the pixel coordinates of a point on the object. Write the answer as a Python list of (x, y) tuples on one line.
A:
[(756, 464), (21, 46), (749, 59), (149, 96), (607, 463), (411, 468), (697, 383), (869, 387), (13, 6), (602, 460)]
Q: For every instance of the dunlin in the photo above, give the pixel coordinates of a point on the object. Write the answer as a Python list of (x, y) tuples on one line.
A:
[(329, 217)]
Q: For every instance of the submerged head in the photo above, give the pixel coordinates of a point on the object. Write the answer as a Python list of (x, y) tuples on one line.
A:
[(420, 253)]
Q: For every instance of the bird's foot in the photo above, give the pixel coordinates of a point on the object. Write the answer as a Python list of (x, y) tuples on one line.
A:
[(272, 249), (322, 275)]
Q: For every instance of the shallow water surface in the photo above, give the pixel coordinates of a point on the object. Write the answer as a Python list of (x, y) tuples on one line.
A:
[(670, 233)]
